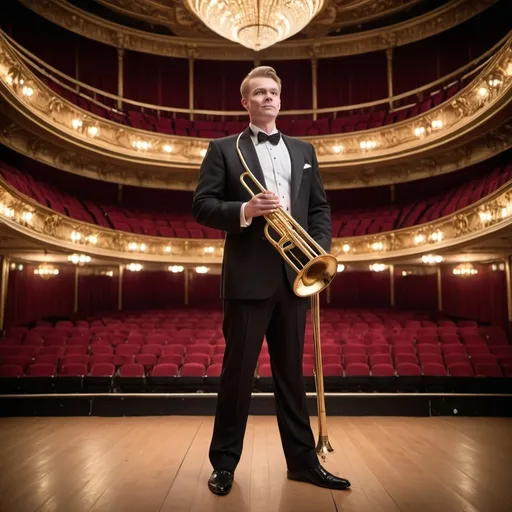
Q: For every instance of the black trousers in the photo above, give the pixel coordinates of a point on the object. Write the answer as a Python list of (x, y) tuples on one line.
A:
[(282, 318)]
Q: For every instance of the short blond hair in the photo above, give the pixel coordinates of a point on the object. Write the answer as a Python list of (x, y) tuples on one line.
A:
[(259, 72)]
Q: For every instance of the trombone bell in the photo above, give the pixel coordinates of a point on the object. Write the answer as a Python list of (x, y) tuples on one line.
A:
[(315, 276)]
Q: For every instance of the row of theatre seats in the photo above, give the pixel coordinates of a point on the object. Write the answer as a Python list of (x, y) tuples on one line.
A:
[(193, 347), (355, 222), (332, 123)]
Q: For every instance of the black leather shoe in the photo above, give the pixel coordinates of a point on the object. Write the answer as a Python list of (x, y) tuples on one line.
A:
[(221, 481), (319, 476)]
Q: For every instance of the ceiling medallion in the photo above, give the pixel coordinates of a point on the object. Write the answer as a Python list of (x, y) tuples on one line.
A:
[(255, 24)]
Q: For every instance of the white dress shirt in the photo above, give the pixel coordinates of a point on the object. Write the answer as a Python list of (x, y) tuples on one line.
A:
[(277, 170)]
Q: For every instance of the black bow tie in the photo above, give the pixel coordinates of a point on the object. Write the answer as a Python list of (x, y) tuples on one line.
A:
[(273, 139)]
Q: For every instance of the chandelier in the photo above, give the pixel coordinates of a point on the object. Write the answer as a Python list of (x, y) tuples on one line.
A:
[(255, 24), (46, 271), (465, 270)]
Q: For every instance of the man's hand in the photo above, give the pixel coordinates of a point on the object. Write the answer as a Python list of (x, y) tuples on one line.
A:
[(261, 204)]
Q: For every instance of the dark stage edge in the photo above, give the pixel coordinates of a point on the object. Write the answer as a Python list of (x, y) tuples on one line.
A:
[(203, 404)]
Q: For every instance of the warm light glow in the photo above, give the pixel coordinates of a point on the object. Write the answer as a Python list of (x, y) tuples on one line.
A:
[(483, 92), (338, 148), (419, 239), (92, 239), (377, 267), (436, 236), (202, 270), (76, 236), (167, 148), (209, 249), (255, 24), (437, 124), (27, 91), (431, 259), (419, 131), (141, 145), (93, 131), (79, 259), (76, 123), (142, 247), (134, 267), (27, 216), (340, 267), (494, 82), (175, 269), (202, 152), (46, 271), (346, 248), (377, 246), (368, 144), (168, 249), (465, 270), (485, 216)]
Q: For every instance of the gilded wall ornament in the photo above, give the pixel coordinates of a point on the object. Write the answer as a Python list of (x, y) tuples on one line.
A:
[(52, 229)]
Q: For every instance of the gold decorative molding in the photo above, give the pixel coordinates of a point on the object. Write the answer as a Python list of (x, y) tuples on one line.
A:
[(480, 219), (86, 164), (54, 230), (483, 104), (335, 14), (93, 27)]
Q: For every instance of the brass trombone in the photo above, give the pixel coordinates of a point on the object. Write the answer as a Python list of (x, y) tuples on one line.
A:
[(312, 277)]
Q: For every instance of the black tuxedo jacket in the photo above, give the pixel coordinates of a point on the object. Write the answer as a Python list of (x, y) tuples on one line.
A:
[(252, 267)]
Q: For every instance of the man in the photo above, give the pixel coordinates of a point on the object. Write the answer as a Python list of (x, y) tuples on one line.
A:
[(256, 281)]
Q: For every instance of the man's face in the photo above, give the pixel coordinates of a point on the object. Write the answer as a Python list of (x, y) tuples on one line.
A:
[(263, 100)]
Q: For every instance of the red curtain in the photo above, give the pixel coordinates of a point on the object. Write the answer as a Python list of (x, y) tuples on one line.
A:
[(97, 65), (204, 290), (152, 289), (30, 298), (415, 292), (217, 84), (352, 79), (482, 297), (97, 294), (361, 289), (155, 79)]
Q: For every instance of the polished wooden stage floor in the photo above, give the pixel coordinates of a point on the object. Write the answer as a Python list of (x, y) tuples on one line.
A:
[(146, 464)]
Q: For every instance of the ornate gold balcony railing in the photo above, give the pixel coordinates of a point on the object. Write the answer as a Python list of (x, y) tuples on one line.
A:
[(94, 95), (53, 230), (487, 97)]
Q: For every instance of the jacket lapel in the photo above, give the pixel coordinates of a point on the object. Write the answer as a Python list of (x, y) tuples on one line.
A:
[(297, 165), (251, 158)]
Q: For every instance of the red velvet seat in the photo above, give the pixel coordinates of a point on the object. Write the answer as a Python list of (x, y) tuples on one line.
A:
[(193, 370), (11, 370), (42, 370), (408, 369), (165, 370), (132, 370), (214, 370), (383, 370), (357, 369), (73, 369)]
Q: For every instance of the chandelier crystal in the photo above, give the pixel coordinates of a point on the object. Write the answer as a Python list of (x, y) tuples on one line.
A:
[(255, 24)]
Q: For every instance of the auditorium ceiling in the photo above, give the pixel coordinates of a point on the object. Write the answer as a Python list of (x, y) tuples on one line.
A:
[(337, 17), (343, 27)]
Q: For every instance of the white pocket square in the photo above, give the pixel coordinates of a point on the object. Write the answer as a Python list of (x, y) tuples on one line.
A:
[(306, 166)]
